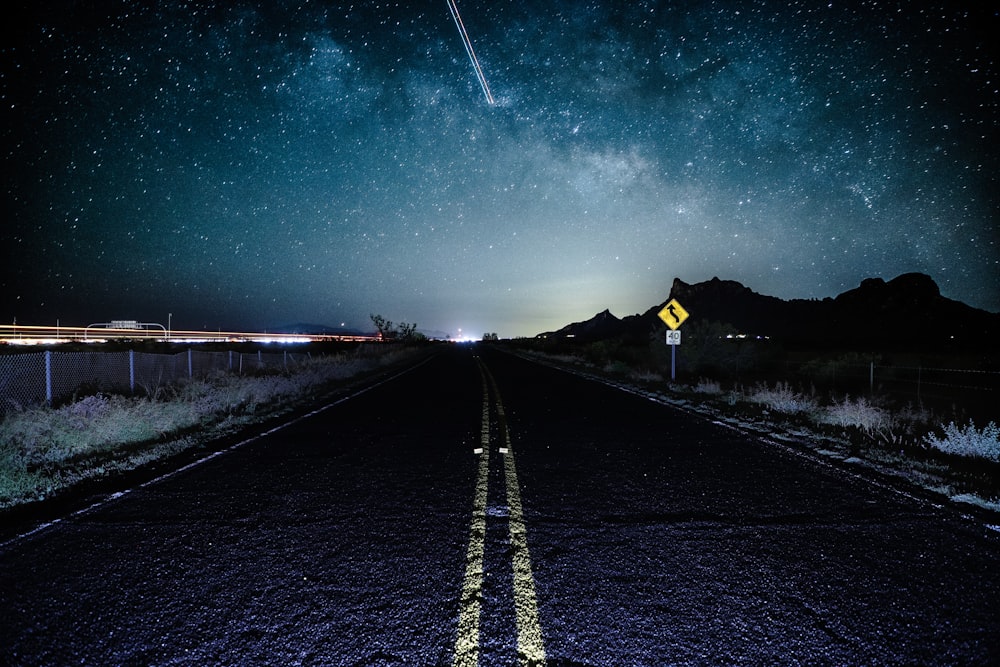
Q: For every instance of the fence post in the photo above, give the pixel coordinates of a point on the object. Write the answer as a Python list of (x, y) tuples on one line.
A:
[(230, 361), (871, 379), (190, 366), (48, 376), (131, 371)]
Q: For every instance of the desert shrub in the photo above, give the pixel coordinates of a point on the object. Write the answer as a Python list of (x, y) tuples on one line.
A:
[(646, 376), (711, 348), (707, 386), (857, 413), (616, 368), (968, 440), (602, 352), (567, 358), (914, 414), (782, 398)]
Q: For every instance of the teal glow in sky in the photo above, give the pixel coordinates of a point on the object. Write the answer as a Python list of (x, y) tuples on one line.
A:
[(244, 167)]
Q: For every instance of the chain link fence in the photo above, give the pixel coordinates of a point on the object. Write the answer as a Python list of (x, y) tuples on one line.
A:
[(49, 377)]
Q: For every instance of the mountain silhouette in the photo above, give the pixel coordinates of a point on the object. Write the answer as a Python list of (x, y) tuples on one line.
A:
[(907, 311)]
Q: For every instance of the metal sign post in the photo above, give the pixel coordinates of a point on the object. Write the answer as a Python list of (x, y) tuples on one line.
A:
[(673, 340), (673, 315)]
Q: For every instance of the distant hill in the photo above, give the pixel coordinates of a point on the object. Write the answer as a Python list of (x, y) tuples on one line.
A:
[(908, 310)]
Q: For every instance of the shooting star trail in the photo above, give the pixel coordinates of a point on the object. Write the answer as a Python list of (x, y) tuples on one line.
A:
[(472, 54)]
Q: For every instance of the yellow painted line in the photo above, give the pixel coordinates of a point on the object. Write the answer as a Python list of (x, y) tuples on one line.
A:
[(467, 642), (530, 644)]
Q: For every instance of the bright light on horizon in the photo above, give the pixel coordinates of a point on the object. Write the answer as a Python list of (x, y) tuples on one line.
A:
[(464, 337)]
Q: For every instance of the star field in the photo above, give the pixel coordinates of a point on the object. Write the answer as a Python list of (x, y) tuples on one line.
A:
[(244, 167)]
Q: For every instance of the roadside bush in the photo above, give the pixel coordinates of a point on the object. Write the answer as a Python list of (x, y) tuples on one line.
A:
[(714, 349), (858, 413), (968, 441), (782, 398), (646, 376), (616, 368), (707, 386)]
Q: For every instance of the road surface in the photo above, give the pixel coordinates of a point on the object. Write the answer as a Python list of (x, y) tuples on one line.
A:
[(596, 527)]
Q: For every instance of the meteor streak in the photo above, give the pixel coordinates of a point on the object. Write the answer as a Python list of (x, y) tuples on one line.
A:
[(472, 54)]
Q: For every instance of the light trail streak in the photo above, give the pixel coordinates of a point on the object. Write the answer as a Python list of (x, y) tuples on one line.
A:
[(23, 334), (472, 53)]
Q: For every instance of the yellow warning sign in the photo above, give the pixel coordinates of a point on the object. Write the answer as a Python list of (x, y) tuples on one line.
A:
[(673, 315)]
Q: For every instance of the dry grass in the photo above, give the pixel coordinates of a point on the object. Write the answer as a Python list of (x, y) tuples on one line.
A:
[(858, 413), (782, 398), (707, 386), (44, 449)]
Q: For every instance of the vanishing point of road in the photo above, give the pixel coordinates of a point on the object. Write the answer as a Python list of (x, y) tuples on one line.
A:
[(479, 508)]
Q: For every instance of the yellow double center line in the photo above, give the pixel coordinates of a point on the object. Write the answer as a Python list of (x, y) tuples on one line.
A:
[(530, 646), (467, 643)]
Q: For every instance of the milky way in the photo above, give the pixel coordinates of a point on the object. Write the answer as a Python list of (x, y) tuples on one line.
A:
[(245, 167)]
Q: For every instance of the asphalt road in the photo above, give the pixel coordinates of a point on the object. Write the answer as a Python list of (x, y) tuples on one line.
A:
[(596, 528)]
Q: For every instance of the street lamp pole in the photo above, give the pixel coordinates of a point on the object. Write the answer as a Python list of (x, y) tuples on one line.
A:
[(169, 317)]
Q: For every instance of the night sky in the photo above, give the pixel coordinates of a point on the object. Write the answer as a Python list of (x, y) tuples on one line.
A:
[(251, 165)]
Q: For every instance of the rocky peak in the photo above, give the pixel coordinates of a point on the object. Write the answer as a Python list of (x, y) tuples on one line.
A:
[(908, 310)]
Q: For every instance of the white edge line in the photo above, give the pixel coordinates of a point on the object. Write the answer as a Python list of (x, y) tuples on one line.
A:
[(110, 498), (944, 504)]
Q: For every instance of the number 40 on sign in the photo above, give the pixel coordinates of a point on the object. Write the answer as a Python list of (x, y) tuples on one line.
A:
[(674, 337)]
